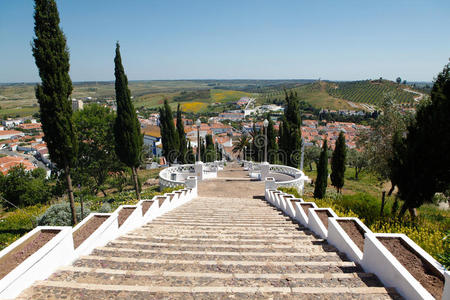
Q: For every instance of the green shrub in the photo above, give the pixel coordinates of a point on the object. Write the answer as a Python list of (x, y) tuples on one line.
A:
[(105, 208), (24, 188), (364, 205), (290, 190), (60, 215), (17, 223)]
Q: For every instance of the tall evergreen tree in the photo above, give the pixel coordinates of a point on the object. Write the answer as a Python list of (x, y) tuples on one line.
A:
[(190, 156), (169, 135), (181, 137), (338, 160), (210, 154), (202, 150), (290, 130), (272, 146), (320, 187), (52, 60), (127, 131), (422, 160)]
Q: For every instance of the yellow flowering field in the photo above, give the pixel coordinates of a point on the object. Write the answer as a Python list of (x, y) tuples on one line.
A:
[(193, 106), (227, 95)]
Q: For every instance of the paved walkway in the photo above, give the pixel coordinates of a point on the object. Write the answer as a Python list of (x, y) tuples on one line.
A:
[(221, 245)]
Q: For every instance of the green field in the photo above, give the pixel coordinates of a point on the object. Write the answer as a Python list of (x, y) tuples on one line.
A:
[(214, 95)]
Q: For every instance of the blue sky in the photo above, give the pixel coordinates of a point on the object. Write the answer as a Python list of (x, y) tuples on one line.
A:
[(193, 39)]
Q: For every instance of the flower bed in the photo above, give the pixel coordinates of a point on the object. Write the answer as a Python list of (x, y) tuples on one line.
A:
[(124, 213), (430, 278), (25, 250), (85, 231), (354, 231)]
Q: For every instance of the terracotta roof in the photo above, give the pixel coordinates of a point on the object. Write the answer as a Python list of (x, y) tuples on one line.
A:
[(8, 162)]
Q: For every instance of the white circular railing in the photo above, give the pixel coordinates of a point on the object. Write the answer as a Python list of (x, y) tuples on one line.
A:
[(298, 177), (175, 176)]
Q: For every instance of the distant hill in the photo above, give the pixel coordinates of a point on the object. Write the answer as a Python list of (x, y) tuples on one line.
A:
[(370, 91)]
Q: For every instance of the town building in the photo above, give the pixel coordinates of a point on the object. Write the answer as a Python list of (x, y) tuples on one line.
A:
[(8, 134), (152, 138), (77, 104)]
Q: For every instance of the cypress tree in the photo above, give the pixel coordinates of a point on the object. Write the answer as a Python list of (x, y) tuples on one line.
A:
[(338, 159), (190, 156), (169, 134), (272, 147), (320, 187), (181, 137), (210, 154), (290, 131), (202, 149), (127, 130), (52, 60)]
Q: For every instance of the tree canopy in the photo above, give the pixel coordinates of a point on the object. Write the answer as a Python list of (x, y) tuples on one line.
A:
[(96, 140)]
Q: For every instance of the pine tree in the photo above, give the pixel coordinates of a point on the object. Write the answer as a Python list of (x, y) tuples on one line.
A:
[(127, 131), (338, 160), (52, 60), (181, 137), (320, 187)]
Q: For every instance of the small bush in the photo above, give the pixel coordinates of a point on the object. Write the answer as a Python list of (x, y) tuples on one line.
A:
[(60, 215), (105, 208), (290, 190)]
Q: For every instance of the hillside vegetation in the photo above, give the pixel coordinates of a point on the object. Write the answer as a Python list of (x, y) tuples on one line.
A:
[(369, 91), (314, 93)]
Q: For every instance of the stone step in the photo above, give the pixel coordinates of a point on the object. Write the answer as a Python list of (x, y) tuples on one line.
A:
[(295, 234), (307, 240), (227, 220), (233, 262), (74, 290), (221, 266), (195, 279), (284, 248), (217, 255), (220, 274), (301, 236), (219, 228), (225, 224)]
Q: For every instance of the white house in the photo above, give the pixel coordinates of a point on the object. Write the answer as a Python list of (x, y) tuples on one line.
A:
[(8, 134)]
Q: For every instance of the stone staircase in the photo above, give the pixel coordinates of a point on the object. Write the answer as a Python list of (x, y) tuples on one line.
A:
[(214, 248)]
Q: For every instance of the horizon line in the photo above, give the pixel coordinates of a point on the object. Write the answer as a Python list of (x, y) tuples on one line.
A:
[(217, 79)]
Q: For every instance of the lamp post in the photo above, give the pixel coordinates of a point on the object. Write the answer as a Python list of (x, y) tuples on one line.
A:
[(198, 123), (265, 123)]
